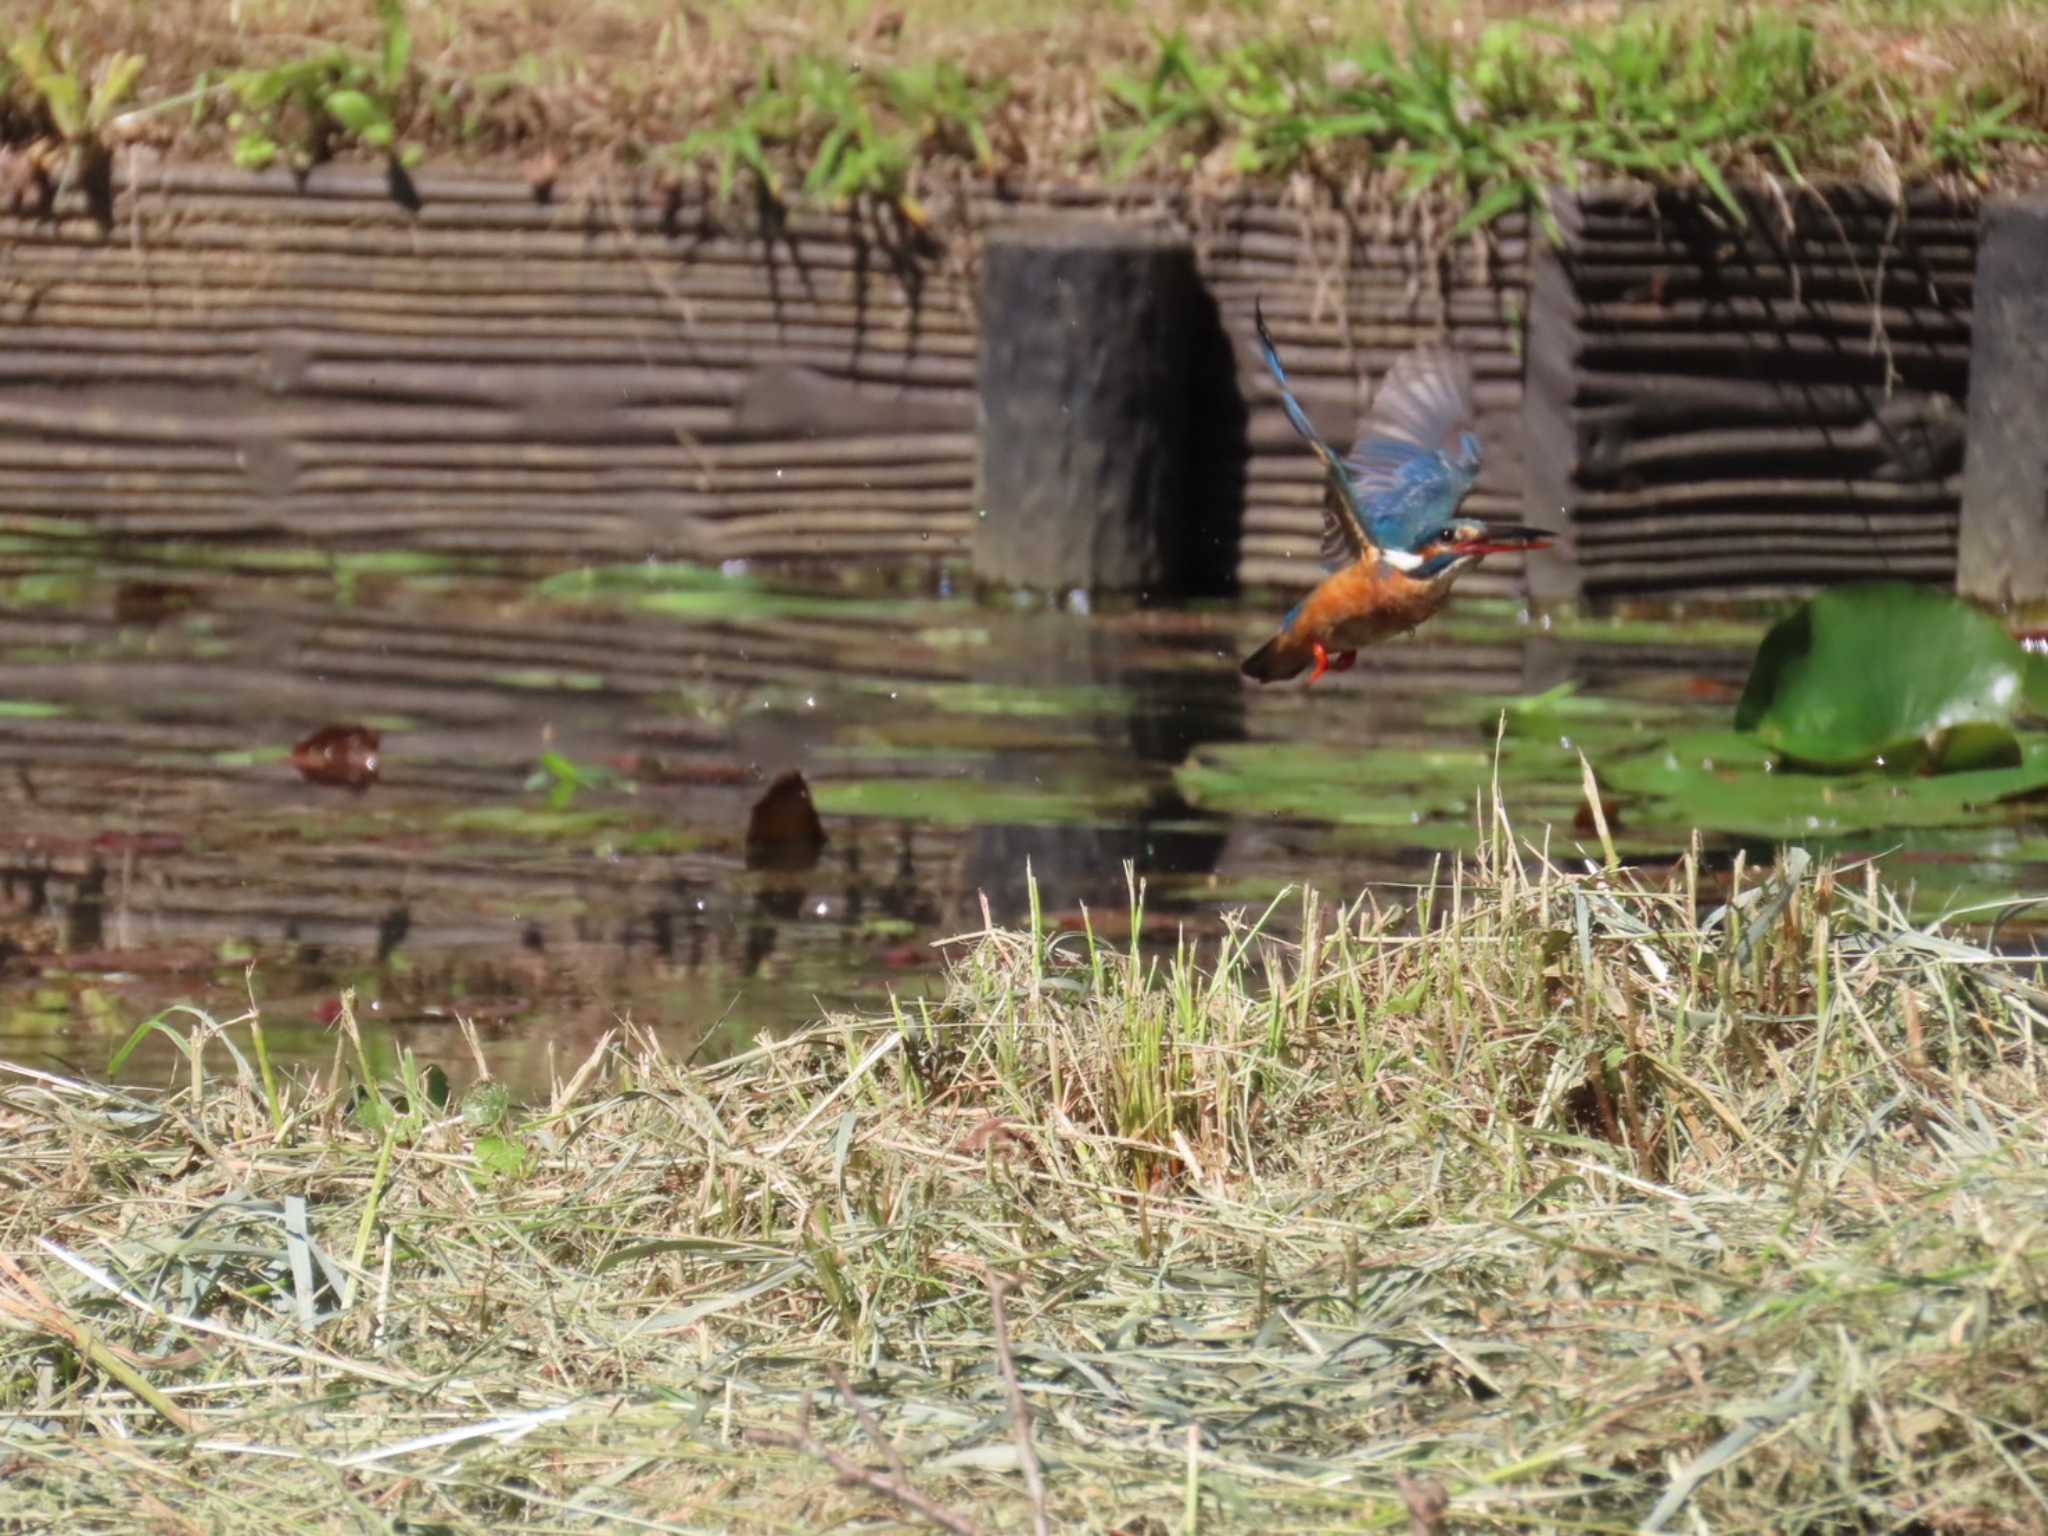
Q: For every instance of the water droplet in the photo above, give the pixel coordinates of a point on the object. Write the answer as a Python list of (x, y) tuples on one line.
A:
[(701, 904), (892, 693), (821, 909), (810, 701), (924, 538), (982, 513)]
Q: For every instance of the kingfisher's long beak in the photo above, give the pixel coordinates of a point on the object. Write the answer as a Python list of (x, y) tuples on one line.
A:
[(1506, 539)]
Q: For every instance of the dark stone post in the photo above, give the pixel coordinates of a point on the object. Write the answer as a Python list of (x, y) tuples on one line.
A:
[(2002, 549), (1087, 337)]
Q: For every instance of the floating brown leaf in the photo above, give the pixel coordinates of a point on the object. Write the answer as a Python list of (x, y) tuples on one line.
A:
[(347, 755), (784, 832)]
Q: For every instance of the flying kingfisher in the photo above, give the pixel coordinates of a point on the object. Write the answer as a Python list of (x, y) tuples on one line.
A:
[(1392, 537)]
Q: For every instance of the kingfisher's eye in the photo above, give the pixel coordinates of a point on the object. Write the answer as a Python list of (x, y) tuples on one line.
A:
[(1448, 534)]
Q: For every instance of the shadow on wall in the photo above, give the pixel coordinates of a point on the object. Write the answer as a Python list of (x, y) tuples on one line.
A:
[(1218, 432)]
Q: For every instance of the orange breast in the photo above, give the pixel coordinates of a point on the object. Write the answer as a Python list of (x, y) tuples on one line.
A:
[(1366, 603)]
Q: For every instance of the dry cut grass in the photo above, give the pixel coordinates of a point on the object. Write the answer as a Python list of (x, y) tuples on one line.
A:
[(1570, 1201)]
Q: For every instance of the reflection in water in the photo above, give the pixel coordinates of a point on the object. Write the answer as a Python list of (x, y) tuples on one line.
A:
[(155, 840), (1155, 711)]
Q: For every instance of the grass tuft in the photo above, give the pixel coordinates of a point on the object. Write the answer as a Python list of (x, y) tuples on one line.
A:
[(1490, 101), (1570, 1199)]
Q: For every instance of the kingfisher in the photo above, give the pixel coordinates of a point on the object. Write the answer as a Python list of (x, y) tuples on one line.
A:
[(1392, 537)]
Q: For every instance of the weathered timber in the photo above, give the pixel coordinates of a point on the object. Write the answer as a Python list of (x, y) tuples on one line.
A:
[(1086, 410), (2004, 538), (249, 358), (1718, 405)]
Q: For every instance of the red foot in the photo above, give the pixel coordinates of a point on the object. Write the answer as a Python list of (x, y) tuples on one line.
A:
[(1325, 662)]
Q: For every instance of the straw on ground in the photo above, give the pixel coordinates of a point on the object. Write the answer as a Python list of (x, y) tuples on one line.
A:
[(1571, 1200)]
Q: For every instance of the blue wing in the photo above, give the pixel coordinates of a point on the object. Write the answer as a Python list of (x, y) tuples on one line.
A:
[(1345, 540), (1405, 478)]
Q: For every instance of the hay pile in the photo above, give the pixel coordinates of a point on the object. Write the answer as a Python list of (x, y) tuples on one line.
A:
[(1597, 1209)]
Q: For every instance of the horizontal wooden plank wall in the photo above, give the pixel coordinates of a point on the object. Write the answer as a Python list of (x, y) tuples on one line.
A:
[(1729, 409), (239, 357)]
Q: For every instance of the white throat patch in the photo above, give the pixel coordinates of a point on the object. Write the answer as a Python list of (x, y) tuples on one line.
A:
[(1401, 559)]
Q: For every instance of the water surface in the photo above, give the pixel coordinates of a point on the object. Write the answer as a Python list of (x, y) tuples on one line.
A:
[(159, 848)]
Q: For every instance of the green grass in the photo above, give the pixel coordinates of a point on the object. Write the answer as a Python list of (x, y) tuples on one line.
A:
[(1486, 103), (1575, 1201)]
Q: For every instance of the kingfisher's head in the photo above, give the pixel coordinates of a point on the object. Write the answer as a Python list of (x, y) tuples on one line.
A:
[(1461, 544)]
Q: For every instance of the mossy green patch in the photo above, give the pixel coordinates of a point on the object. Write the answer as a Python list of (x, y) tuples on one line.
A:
[(975, 801), (704, 594), (1051, 700), (546, 680)]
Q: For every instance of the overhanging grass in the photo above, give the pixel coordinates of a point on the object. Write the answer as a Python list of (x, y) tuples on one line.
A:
[(1487, 100), (1605, 1204)]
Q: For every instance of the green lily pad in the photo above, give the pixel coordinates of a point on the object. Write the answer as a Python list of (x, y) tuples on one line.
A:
[(1391, 788), (1889, 673), (1423, 794), (1723, 781), (1563, 715)]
